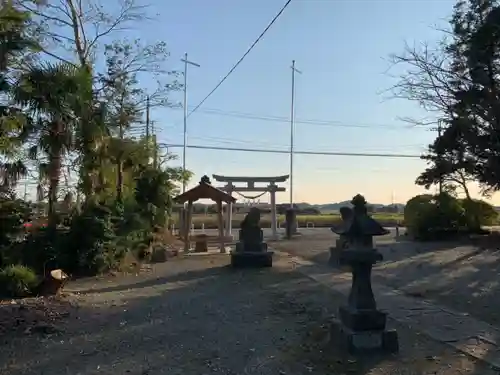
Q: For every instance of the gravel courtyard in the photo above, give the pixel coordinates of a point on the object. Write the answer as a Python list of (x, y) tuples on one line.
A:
[(195, 316), (463, 276)]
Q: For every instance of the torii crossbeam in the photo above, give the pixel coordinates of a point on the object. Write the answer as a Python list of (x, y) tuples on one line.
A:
[(250, 182)]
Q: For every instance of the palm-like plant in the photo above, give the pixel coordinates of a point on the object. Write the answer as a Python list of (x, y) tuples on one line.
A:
[(51, 93), (14, 43)]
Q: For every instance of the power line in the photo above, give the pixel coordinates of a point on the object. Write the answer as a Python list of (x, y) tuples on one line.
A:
[(237, 142), (242, 57), (313, 122), (233, 141), (329, 123), (326, 153)]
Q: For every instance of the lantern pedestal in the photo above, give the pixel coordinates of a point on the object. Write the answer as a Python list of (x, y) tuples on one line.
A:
[(362, 328)]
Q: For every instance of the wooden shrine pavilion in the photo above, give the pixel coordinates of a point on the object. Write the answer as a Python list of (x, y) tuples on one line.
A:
[(204, 190)]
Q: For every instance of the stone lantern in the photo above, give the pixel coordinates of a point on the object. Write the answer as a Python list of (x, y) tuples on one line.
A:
[(362, 327)]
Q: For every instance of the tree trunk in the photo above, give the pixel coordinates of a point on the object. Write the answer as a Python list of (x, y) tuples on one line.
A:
[(476, 222), (119, 170), (81, 48), (119, 180), (88, 168), (52, 283)]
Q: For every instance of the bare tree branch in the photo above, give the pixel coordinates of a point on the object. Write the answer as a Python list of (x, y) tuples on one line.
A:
[(73, 21)]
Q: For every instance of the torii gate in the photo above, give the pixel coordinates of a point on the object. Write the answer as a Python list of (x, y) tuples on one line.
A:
[(250, 182)]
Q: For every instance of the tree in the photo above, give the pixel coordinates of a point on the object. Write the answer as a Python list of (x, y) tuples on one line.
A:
[(442, 170), (79, 26), (14, 43), (153, 193), (478, 104), (122, 94), (67, 115), (458, 82), (132, 155), (51, 91), (125, 100)]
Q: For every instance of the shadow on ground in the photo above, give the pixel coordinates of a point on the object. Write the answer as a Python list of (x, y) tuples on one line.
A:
[(177, 277), (463, 275), (195, 317)]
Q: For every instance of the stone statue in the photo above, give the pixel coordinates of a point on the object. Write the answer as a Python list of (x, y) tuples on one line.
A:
[(346, 214), (342, 242), (252, 219), (251, 250), (250, 232)]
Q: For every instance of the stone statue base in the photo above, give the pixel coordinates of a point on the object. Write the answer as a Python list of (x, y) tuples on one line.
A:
[(255, 256), (251, 250), (252, 260), (359, 342)]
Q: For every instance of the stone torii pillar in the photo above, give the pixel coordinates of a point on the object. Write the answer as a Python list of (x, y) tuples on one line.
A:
[(250, 183), (274, 227)]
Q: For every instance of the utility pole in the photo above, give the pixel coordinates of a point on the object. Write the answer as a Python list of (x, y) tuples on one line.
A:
[(439, 129), (147, 126), (292, 120), (186, 63), (155, 146), (147, 117)]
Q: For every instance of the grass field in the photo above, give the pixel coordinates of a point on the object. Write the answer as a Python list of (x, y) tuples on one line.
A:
[(323, 220)]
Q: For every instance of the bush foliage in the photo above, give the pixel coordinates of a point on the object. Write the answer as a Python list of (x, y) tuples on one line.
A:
[(434, 217), (17, 281), (101, 190), (89, 240)]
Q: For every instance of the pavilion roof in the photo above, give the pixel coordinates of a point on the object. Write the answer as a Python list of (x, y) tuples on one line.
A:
[(205, 190)]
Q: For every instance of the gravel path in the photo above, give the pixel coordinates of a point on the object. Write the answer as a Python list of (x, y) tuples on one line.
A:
[(194, 316), (461, 276)]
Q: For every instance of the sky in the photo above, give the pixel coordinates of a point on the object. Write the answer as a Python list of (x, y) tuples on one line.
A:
[(343, 101), (342, 48)]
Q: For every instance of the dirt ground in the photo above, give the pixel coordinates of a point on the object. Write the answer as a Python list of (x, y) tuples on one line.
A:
[(463, 276), (195, 316)]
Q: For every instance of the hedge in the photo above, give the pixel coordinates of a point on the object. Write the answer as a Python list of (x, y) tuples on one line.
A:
[(317, 221)]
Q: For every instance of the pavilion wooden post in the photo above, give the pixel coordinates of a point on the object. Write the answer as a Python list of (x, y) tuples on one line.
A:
[(221, 226), (189, 215), (204, 190)]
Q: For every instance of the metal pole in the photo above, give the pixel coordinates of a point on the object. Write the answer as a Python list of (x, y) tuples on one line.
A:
[(186, 63), (155, 146), (292, 120), (185, 122), (147, 118), (147, 126), (439, 158)]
